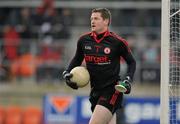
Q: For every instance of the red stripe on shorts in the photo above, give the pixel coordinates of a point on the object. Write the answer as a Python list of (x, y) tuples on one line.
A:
[(114, 97)]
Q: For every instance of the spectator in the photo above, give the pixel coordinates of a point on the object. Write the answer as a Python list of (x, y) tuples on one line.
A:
[(25, 23), (24, 27), (11, 41), (63, 21), (47, 8)]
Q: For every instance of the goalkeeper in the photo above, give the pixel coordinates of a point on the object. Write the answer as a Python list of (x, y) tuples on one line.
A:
[(102, 51)]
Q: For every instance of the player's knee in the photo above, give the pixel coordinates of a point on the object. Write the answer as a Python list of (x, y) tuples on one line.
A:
[(97, 122)]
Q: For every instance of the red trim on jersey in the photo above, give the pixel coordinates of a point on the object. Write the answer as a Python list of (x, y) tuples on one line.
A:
[(94, 35), (85, 34), (114, 98), (121, 39)]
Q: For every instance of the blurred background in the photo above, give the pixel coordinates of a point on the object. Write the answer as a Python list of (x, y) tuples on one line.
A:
[(38, 39)]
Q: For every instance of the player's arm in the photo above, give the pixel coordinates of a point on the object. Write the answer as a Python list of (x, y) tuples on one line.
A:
[(130, 72), (78, 57), (131, 67), (131, 64), (76, 61)]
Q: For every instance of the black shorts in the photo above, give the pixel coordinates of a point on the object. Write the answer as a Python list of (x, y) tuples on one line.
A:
[(107, 97)]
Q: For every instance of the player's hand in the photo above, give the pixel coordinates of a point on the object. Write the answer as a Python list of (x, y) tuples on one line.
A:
[(127, 85), (67, 76), (124, 86)]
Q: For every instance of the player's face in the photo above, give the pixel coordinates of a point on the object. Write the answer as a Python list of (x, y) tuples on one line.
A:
[(98, 24)]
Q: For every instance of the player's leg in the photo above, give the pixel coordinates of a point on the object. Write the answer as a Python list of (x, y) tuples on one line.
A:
[(104, 104), (113, 119), (101, 115)]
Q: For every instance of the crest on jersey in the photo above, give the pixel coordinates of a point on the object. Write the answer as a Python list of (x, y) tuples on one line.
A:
[(107, 50)]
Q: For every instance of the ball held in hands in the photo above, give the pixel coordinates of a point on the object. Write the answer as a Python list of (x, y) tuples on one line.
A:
[(67, 76), (80, 75)]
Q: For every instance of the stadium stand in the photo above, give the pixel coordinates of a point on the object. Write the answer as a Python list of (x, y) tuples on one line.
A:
[(38, 38)]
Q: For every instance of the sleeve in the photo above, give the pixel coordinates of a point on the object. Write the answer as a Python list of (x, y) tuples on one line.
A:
[(78, 57), (128, 57)]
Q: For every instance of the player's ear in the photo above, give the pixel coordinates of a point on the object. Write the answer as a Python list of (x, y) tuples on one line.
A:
[(106, 21)]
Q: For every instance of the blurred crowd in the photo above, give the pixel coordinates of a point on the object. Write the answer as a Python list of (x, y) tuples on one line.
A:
[(21, 27), (32, 39)]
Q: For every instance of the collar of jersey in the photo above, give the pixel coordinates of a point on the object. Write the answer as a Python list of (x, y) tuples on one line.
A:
[(94, 35)]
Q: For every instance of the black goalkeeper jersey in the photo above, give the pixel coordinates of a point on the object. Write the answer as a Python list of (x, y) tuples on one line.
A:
[(102, 56)]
